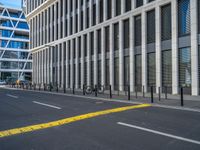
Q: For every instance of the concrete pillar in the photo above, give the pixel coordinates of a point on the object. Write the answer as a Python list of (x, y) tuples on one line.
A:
[(51, 65), (74, 16), (64, 16), (62, 65), (97, 12), (77, 63), (105, 7), (72, 64), (67, 64), (59, 19), (112, 56), (82, 61), (95, 58), (84, 14), (121, 56), (91, 13), (113, 8), (144, 55), (132, 58), (103, 55), (79, 16), (175, 83), (158, 50), (88, 59), (194, 47), (69, 15)]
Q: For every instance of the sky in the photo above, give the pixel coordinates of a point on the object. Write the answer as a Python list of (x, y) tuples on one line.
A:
[(11, 3)]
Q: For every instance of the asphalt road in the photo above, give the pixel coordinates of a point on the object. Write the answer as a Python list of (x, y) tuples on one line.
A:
[(149, 128)]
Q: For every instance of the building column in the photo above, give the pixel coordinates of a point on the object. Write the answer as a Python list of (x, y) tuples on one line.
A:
[(58, 65), (121, 56), (48, 65), (67, 64), (113, 8), (44, 66), (97, 12), (144, 53), (158, 50), (103, 55), (59, 19), (62, 65), (175, 83), (84, 14), (79, 16), (74, 17), (72, 64), (88, 59), (55, 20), (194, 47), (82, 62), (112, 54), (51, 65), (64, 16), (132, 58), (91, 13), (95, 58), (51, 25), (77, 63)]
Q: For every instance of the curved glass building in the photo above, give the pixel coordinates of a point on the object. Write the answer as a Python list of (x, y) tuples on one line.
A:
[(15, 57)]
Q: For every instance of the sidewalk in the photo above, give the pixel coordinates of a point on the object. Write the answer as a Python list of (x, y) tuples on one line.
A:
[(190, 102)]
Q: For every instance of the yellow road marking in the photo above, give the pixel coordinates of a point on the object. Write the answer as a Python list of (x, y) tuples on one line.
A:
[(67, 120)]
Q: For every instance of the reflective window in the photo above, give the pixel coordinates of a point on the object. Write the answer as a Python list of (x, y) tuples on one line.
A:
[(126, 34), (139, 3), (151, 69), (184, 17), (138, 31), (22, 25), (151, 26)]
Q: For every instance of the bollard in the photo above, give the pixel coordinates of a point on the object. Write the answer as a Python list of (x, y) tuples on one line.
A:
[(165, 92), (136, 92), (39, 87), (64, 88), (110, 91), (57, 88), (96, 90), (143, 91), (151, 94), (73, 90), (83, 89), (159, 93), (182, 103), (129, 93), (50, 86), (44, 87)]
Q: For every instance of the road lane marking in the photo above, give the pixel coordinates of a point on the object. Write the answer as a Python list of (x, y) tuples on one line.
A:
[(12, 96), (52, 106), (68, 120), (160, 133)]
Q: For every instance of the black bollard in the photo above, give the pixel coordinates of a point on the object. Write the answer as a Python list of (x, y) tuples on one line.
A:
[(129, 93), (182, 102), (110, 91), (83, 89), (159, 93), (57, 88), (73, 89), (143, 91), (166, 92), (96, 90), (151, 94), (64, 88)]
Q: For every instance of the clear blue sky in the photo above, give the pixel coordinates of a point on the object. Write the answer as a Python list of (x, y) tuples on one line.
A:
[(12, 3)]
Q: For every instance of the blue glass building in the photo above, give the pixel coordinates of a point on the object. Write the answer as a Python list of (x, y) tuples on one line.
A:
[(15, 57)]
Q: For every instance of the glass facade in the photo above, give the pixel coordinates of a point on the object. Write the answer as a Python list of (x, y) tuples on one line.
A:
[(15, 57)]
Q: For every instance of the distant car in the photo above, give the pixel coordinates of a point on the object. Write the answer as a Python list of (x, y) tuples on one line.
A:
[(24, 82), (2, 82)]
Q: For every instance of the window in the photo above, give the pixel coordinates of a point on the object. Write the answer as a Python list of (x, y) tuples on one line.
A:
[(151, 69), (118, 7), (128, 5), (116, 74), (101, 10), (94, 14), (92, 43), (183, 17), (185, 67), (151, 27), (138, 30), (167, 68), (107, 39), (116, 36), (107, 72), (85, 44), (126, 71), (166, 27), (199, 66), (109, 9), (99, 41), (139, 3), (138, 70), (126, 34)]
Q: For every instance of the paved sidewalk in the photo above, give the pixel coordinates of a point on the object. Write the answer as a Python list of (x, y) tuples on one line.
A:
[(190, 102)]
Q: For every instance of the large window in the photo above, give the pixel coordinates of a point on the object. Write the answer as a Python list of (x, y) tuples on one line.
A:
[(184, 17), (128, 5), (166, 27), (139, 3), (118, 7), (126, 34), (185, 67), (138, 31), (109, 9), (99, 41), (151, 26), (167, 68), (116, 36), (151, 69), (138, 70), (107, 39), (101, 10), (107, 72), (126, 71), (116, 74)]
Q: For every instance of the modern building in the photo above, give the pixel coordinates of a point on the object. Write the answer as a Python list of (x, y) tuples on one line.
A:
[(141, 43), (15, 56)]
